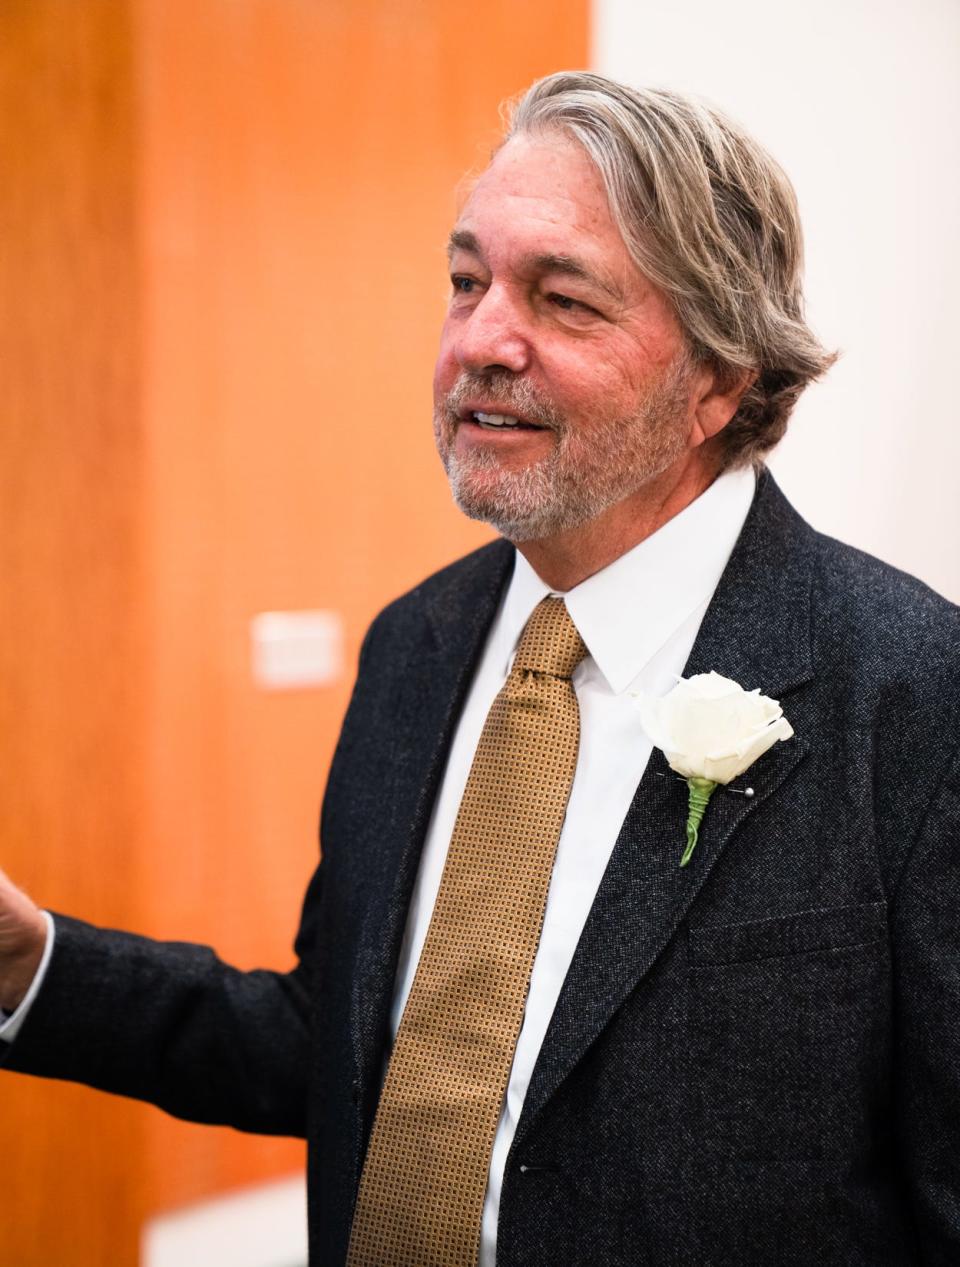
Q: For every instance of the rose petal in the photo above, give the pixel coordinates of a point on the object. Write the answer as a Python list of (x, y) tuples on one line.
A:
[(682, 765), (723, 769), (709, 686), (708, 726), (650, 720)]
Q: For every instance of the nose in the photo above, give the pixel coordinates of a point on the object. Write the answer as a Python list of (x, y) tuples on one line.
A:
[(494, 335)]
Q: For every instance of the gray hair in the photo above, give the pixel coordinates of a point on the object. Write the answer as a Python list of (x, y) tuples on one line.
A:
[(711, 219)]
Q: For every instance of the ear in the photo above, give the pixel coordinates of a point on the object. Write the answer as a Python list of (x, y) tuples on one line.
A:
[(716, 399)]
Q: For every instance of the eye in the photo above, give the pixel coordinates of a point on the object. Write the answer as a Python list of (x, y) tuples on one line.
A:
[(567, 304), (461, 284)]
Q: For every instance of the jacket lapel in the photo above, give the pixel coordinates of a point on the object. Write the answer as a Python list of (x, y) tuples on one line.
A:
[(435, 661), (756, 631)]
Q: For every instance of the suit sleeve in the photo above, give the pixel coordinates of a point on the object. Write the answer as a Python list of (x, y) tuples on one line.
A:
[(926, 939), (170, 1023)]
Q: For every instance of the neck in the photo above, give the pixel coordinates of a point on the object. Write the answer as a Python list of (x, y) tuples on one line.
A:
[(568, 558)]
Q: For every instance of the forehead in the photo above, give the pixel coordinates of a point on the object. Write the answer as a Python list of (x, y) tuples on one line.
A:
[(543, 193)]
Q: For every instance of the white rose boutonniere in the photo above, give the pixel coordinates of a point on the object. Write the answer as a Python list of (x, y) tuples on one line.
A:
[(711, 730)]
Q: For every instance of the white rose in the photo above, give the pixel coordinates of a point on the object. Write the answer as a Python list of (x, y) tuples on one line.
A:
[(709, 727)]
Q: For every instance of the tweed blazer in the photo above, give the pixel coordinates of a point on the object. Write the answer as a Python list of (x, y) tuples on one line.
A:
[(754, 1060)]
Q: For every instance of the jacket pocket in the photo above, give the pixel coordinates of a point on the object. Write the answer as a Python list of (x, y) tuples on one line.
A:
[(837, 928)]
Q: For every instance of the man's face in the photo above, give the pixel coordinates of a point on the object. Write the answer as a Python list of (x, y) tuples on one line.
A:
[(563, 384)]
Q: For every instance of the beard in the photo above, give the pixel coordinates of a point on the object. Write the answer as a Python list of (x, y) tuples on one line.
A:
[(585, 473)]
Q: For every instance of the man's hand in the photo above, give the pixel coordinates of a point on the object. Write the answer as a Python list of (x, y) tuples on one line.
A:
[(23, 935)]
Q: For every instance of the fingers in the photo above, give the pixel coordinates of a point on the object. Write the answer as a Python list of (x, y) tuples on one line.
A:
[(23, 935)]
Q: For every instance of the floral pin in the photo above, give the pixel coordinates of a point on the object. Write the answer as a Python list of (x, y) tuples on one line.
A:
[(710, 730)]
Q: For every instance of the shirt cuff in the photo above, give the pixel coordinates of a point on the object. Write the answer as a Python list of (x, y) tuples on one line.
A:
[(10, 1027)]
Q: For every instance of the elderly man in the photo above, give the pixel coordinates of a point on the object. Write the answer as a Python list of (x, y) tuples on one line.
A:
[(523, 1029)]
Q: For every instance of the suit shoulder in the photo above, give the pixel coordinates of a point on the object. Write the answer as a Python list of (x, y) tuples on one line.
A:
[(466, 580), (889, 644), (883, 607)]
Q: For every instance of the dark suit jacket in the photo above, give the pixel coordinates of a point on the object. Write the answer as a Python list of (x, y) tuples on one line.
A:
[(755, 1060)]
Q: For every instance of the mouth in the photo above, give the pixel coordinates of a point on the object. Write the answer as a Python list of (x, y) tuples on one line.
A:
[(489, 421)]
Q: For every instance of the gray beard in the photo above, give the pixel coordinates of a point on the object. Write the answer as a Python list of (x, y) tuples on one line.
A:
[(565, 489), (529, 504)]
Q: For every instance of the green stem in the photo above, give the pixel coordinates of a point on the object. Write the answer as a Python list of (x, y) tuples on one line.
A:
[(700, 792)]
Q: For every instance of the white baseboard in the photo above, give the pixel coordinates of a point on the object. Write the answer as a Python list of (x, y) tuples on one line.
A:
[(265, 1226)]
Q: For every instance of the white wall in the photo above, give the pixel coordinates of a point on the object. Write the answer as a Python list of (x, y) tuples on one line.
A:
[(859, 100)]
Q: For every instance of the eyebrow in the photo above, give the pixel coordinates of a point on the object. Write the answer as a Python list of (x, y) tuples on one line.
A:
[(463, 240), (547, 262)]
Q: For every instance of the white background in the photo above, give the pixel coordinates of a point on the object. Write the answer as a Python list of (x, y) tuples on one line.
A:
[(859, 100)]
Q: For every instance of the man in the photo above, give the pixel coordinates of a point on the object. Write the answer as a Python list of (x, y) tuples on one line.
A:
[(519, 1030)]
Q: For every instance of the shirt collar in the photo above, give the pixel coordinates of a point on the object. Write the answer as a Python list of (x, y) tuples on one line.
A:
[(627, 611)]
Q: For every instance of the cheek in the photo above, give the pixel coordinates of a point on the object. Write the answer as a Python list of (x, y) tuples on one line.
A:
[(617, 379), (592, 383), (447, 368)]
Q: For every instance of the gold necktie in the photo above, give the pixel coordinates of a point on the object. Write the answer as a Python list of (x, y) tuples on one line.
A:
[(425, 1175)]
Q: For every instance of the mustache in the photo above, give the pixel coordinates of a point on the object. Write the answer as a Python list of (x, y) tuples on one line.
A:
[(512, 395)]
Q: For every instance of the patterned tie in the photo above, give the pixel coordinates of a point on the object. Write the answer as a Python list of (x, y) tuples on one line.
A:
[(425, 1176)]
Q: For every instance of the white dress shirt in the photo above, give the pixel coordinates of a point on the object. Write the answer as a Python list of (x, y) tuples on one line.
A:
[(639, 618)]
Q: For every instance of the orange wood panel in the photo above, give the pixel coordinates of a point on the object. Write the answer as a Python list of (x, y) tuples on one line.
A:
[(71, 653), (224, 282)]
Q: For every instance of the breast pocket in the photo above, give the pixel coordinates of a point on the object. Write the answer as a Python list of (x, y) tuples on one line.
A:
[(789, 1040), (784, 936)]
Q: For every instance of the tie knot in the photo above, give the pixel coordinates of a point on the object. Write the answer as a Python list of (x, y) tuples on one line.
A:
[(550, 642)]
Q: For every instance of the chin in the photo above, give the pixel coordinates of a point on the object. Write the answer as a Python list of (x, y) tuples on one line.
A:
[(522, 521)]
